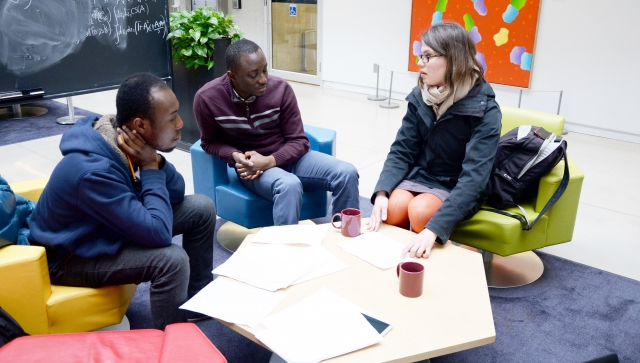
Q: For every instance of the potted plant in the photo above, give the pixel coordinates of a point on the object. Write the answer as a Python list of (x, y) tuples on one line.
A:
[(199, 39), (194, 33)]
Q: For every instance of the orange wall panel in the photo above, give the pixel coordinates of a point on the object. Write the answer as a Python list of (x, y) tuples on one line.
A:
[(504, 32)]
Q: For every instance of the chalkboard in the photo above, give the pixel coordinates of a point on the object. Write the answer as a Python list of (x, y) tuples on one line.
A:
[(59, 48)]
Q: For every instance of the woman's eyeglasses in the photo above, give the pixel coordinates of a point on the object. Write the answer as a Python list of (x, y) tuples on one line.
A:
[(426, 57)]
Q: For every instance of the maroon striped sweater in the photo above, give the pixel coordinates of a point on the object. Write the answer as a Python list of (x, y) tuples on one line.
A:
[(270, 125)]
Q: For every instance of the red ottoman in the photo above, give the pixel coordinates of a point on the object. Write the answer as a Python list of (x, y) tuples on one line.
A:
[(182, 342)]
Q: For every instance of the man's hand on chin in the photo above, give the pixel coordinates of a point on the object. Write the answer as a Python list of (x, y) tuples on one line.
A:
[(140, 153)]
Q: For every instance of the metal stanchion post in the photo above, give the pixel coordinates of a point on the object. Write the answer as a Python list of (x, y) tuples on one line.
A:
[(520, 99), (16, 111), (389, 104), (564, 130), (376, 69), (72, 118)]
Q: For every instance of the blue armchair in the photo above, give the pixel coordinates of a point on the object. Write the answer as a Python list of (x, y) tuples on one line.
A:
[(217, 180)]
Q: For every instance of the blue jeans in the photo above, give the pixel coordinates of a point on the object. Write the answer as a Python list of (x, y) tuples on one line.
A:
[(176, 273), (314, 171)]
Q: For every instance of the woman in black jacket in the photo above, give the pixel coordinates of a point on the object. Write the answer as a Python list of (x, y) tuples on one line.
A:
[(441, 159)]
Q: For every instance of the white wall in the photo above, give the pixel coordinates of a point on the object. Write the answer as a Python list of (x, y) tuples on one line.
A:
[(358, 33), (251, 20), (586, 48)]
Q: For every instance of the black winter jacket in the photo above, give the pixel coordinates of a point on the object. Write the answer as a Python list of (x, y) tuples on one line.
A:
[(454, 154)]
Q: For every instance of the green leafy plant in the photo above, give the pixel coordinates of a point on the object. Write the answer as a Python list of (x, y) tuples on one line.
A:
[(192, 34)]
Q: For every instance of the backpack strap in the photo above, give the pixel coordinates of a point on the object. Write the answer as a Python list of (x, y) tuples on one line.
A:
[(504, 213), (554, 198)]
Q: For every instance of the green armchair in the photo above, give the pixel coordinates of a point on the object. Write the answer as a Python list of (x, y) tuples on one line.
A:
[(505, 247)]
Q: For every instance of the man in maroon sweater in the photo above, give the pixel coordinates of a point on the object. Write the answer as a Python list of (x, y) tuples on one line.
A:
[(251, 120)]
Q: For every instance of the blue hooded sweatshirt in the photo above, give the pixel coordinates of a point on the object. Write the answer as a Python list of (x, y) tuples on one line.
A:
[(15, 211), (90, 207)]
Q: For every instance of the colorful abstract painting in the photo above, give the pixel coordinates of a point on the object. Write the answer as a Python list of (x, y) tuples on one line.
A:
[(504, 32)]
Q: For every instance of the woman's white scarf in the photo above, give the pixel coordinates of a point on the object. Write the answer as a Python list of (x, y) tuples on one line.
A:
[(440, 97)]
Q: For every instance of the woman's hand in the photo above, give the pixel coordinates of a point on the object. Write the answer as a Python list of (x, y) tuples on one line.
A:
[(379, 212), (421, 244)]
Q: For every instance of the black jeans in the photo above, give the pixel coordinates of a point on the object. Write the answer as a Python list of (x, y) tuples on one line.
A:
[(175, 273)]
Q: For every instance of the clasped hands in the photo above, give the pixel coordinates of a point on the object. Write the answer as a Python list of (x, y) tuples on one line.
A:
[(421, 244), (251, 164)]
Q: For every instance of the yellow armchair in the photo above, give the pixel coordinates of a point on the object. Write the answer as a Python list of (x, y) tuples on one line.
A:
[(506, 248), (26, 292)]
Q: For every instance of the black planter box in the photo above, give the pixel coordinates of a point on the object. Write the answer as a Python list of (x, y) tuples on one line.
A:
[(186, 82)]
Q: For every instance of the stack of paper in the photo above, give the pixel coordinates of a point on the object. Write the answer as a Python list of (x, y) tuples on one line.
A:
[(375, 248), (234, 302), (274, 267), (332, 265), (319, 327), (311, 235)]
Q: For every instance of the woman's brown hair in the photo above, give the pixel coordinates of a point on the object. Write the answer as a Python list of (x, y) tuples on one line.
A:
[(452, 41)]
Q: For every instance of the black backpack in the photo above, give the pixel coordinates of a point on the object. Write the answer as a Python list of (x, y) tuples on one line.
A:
[(525, 154), (9, 328)]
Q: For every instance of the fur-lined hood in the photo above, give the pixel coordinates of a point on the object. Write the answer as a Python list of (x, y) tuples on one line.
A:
[(106, 126)]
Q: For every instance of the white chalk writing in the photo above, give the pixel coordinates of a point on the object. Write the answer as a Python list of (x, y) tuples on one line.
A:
[(121, 12), (147, 26), (68, 24)]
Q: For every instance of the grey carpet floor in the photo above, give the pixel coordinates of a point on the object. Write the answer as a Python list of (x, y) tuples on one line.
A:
[(19, 130), (232, 345), (573, 313)]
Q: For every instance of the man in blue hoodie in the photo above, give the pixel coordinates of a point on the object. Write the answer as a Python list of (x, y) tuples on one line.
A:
[(112, 204)]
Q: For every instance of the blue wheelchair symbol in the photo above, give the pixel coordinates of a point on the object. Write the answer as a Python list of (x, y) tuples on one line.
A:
[(293, 9)]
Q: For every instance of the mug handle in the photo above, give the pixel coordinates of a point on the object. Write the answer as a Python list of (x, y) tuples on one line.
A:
[(334, 226), (398, 269)]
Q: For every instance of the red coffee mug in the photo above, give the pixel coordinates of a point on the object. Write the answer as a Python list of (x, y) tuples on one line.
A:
[(411, 275), (350, 222)]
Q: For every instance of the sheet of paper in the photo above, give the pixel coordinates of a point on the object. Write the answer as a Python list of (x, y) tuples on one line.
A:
[(234, 302), (270, 267), (332, 265), (294, 234), (375, 248), (319, 327)]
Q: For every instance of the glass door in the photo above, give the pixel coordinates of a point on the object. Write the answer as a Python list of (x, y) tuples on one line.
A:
[(294, 40)]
